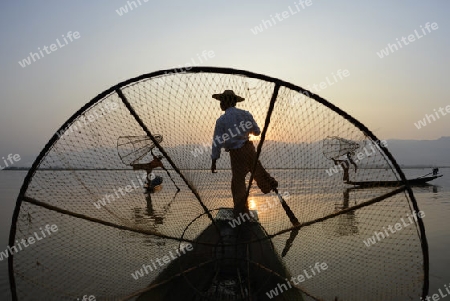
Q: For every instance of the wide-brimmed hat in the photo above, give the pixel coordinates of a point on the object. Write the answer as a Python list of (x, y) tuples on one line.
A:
[(228, 94)]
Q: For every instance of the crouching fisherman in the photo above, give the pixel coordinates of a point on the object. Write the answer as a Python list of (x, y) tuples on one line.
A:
[(153, 182)]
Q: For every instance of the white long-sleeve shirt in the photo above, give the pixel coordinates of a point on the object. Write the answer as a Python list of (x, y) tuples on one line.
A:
[(232, 130)]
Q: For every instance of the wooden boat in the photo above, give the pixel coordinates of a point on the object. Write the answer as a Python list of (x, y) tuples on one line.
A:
[(416, 181), (225, 263)]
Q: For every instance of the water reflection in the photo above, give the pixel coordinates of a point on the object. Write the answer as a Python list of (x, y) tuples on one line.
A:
[(158, 218), (427, 188), (342, 225), (149, 215), (345, 224)]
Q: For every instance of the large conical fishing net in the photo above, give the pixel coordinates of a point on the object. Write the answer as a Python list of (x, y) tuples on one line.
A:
[(335, 147), (317, 239), (132, 149)]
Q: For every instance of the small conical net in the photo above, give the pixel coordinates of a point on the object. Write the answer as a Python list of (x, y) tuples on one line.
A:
[(98, 232)]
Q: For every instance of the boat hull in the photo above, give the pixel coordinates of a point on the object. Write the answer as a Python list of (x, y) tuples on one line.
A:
[(240, 264)]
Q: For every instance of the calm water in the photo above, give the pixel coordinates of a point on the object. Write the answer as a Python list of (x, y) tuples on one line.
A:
[(433, 200)]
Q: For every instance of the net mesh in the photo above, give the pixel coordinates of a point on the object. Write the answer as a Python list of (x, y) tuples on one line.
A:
[(116, 242), (132, 149), (335, 147)]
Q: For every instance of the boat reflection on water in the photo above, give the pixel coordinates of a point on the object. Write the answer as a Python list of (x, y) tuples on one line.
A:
[(427, 188), (347, 223), (224, 263), (344, 224)]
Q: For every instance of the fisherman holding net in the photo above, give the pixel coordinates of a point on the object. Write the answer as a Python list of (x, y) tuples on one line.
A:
[(232, 133), (152, 182), (341, 151), (345, 165)]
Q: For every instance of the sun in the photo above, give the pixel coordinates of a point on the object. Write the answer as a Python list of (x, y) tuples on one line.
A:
[(253, 137), (251, 204)]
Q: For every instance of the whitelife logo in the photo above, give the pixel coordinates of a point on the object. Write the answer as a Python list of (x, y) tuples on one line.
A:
[(11, 158), (34, 56), (146, 268), (131, 5), (430, 118), (279, 17), (378, 236), (47, 231), (391, 48)]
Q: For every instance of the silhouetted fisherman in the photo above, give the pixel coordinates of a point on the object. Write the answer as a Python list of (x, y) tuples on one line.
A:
[(345, 165), (232, 133), (152, 182)]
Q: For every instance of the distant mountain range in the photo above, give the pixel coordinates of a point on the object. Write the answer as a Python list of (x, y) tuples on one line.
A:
[(408, 153), (421, 152)]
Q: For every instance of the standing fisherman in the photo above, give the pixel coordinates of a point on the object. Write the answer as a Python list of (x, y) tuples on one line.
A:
[(232, 133)]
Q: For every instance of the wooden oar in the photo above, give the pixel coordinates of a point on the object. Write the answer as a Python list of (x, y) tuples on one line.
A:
[(293, 220), (287, 209), (423, 176)]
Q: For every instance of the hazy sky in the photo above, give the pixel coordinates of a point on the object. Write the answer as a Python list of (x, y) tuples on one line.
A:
[(309, 44)]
